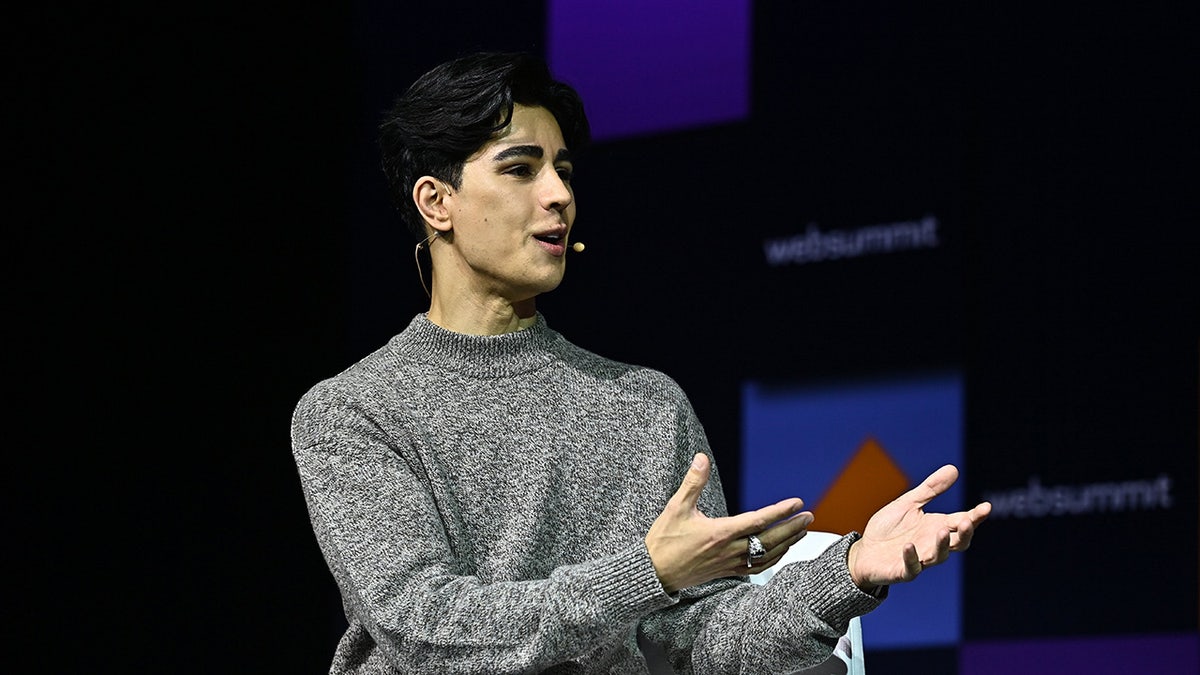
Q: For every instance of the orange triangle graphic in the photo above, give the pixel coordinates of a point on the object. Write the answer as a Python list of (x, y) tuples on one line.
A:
[(870, 480)]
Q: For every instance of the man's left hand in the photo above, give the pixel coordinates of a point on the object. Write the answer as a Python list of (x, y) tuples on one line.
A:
[(901, 539)]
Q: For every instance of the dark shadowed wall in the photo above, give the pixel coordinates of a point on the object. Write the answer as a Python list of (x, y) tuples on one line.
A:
[(203, 233)]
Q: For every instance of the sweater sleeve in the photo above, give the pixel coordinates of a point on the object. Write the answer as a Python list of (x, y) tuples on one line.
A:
[(732, 626), (382, 536), (793, 622)]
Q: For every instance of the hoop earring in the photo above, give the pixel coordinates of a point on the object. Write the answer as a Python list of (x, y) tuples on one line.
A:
[(428, 241)]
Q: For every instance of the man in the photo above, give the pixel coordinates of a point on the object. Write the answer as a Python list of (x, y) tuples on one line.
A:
[(491, 498)]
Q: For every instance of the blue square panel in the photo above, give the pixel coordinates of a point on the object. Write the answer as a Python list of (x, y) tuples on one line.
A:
[(800, 440)]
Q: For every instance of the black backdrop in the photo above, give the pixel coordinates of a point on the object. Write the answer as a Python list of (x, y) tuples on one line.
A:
[(201, 233)]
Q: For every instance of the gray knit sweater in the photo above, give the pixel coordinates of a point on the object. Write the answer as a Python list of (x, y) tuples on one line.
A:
[(482, 503)]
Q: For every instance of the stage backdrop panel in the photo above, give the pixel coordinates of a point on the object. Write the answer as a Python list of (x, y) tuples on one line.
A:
[(647, 66), (848, 448)]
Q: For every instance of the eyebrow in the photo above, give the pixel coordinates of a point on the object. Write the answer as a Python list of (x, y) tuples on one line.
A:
[(534, 151)]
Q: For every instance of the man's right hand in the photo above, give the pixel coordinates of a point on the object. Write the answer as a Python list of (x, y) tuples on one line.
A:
[(688, 548)]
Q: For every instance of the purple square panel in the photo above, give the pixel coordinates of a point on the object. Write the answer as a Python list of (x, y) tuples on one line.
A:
[(1101, 655), (647, 66)]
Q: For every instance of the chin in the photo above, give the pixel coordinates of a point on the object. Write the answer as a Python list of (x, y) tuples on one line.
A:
[(545, 285), (551, 279), (549, 287)]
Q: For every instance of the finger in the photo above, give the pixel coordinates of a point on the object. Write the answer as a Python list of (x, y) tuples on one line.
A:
[(960, 537), (776, 540), (782, 548), (784, 530), (935, 484), (755, 522), (967, 523), (773, 556), (693, 483), (942, 549), (912, 563), (977, 515)]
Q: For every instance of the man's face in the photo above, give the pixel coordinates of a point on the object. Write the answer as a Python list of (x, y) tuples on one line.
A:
[(514, 210)]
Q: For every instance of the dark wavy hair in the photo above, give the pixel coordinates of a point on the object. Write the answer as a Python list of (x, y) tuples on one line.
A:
[(454, 109)]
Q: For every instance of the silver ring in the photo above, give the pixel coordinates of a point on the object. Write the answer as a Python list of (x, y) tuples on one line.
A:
[(754, 550)]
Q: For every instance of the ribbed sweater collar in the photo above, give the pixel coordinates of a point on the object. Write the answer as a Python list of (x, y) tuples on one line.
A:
[(482, 355)]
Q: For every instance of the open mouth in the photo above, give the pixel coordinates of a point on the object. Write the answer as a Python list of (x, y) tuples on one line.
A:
[(549, 238)]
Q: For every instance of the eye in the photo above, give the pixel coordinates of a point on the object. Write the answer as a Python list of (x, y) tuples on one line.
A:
[(566, 174), (519, 170)]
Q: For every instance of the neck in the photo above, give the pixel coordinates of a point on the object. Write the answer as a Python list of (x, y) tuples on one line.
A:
[(466, 302), (471, 317)]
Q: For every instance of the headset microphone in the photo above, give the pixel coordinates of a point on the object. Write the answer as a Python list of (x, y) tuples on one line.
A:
[(578, 247)]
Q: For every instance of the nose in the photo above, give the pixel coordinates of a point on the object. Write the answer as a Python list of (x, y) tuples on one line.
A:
[(556, 193)]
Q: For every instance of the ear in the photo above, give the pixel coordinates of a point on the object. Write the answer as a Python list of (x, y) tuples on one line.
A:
[(430, 194)]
